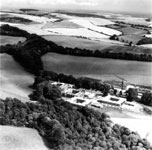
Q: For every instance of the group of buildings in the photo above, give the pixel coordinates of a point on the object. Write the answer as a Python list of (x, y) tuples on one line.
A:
[(84, 97)]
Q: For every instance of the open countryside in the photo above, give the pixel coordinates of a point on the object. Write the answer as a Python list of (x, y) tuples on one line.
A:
[(77, 78)]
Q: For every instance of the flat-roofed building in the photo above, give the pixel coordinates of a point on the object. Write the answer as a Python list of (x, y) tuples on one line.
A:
[(112, 101)]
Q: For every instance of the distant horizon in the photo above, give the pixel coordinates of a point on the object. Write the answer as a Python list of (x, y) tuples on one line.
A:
[(146, 15), (137, 7)]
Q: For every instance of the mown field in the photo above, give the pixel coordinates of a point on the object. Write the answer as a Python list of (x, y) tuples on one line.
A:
[(10, 39), (99, 68), (68, 41), (110, 46), (14, 80), (129, 33), (19, 138)]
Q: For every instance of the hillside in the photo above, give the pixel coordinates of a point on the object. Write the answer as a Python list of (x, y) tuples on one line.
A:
[(38, 46), (62, 125), (65, 126)]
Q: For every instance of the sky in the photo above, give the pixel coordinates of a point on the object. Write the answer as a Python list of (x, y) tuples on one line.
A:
[(137, 6)]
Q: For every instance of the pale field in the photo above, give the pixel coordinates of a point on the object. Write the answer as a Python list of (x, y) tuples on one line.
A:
[(149, 35), (99, 21), (105, 69), (87, 24), (38, 19), (78, 32), (14, 80), (10, 39), (147, 45), (20, 138), (71, 26), (9, 23)]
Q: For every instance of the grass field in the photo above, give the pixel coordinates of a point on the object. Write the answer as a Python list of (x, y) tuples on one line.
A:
[(14, 81), (10, 39), (131, 30), (129, 34), (130, 38), (99, 68), (19, 138), (68, 41)]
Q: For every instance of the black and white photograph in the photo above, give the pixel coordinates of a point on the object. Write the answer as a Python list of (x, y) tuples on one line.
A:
[(75, 74)]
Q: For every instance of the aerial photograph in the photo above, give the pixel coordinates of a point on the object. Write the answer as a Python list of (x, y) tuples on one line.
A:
[(75, 74)]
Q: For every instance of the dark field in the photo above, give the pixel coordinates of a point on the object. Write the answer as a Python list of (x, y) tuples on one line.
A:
[(99, 68)]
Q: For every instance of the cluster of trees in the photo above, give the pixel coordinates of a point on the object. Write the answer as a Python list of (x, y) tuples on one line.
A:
[(146, 99), (132, 94), (134, 25), (116, 37), (66, 126), (27, 9), (12, 31), (145, 40), (78, 82)]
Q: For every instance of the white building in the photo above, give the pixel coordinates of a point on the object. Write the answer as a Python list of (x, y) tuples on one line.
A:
[(112, 101)]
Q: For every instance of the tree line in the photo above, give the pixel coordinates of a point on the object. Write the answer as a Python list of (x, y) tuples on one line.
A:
[(69, 79), (45, 46)]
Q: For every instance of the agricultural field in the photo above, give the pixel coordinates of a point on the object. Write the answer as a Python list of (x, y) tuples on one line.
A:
[(147, 45), (61, 24), (13, 19), (133, 30), (20, 138), (10, 39), (93, 28), (68, 41), (89, 25), (36, 19), (129, 33), (99, 68), (130, 38), (14, 80)]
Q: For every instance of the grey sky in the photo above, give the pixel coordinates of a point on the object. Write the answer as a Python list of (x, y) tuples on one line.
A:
[(138, 6)]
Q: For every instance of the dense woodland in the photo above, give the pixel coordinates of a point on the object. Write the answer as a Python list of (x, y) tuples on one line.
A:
[(77, 82), (145, 40), (66, 126)]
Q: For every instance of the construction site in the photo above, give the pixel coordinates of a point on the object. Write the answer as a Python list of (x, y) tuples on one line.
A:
[(93, 98)]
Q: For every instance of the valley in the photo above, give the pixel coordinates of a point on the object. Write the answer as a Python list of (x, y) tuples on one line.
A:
[(68, 46)]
